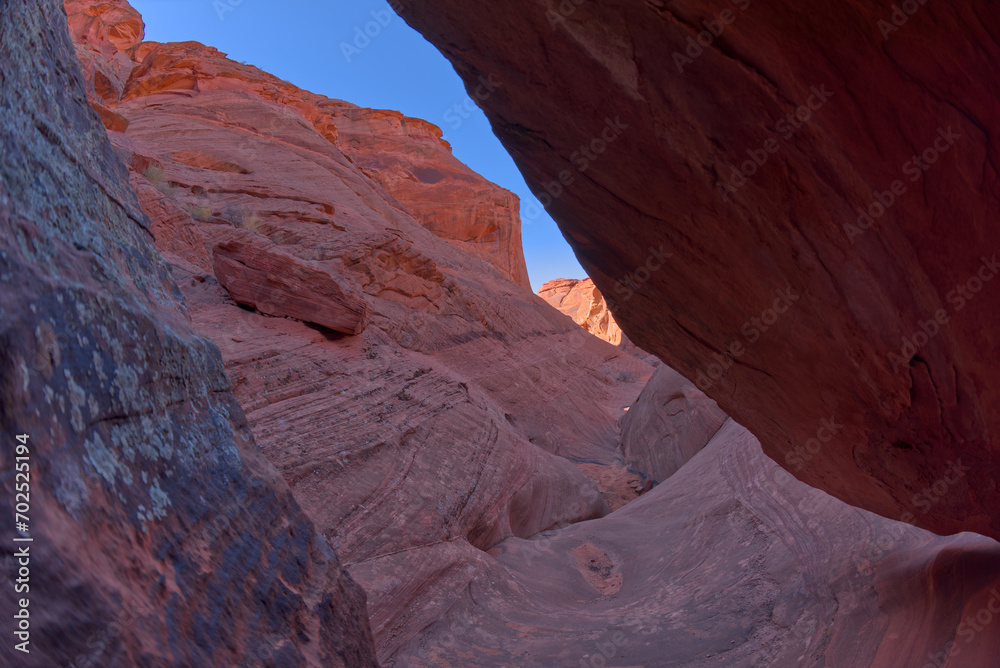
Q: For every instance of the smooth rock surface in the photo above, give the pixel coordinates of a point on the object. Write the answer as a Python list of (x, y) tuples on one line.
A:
[(831, 161), (730, 562), (669, 424)]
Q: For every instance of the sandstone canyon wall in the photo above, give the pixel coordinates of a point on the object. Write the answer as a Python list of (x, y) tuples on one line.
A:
[(444, 419), (730, 562), (412, 401), (792, 204), (159, 534)]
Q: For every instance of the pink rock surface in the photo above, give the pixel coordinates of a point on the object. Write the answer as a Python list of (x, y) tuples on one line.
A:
[(255, 273), (669, 424), (159, 534), (729, 562)]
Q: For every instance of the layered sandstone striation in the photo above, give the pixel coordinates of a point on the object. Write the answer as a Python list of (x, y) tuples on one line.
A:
[(729, 562), (408, 158), (855, 173), (452, 421), (159, 534), (256, 273), (439, 450)]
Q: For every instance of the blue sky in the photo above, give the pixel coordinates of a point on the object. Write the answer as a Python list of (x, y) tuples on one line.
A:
[(302, 41)]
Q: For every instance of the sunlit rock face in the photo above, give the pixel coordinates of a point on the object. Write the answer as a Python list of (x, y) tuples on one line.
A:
[(451, 420), (584, 303), (159, 534), (821, 180)]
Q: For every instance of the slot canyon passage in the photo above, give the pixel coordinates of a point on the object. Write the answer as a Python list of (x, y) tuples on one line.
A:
[(287, 398)]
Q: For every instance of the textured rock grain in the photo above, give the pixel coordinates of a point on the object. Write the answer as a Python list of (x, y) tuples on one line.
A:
[(829, 149), (161, 536), (447, 425)]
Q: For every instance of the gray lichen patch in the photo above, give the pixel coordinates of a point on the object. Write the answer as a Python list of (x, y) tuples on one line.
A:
[(105, 460)]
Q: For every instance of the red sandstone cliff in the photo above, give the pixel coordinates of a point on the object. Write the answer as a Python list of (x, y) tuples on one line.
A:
[(585, 304), (443, 426)]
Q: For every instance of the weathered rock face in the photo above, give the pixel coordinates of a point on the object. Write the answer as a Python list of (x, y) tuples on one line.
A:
[(669, 424), (408, 157), (826, 206), (105, 35), (160, 535), (256, 274), (729, 562), (449, 423)]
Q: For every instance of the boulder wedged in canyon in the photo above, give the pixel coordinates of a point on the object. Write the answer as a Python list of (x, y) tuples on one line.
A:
[(159, 534), (255, 273), (729, 562), (584, 303), (669, 423), (800, 221), (453, 420)]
